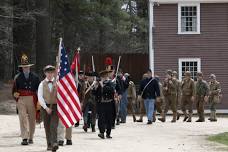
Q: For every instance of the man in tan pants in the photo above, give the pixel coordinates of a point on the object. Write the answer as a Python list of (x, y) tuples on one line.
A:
[(68, 134), (24, 92)]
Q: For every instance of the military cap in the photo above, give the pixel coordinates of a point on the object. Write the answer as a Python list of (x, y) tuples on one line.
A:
[(104, 72), (212, 76), (81, 72), (149, 70), (126, 74), (200, 74), (187, 73), (174, 72), (49, 68), (169, 72), (91, 74), (25, 62)]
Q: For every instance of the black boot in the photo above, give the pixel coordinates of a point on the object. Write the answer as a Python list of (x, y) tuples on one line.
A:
[(85, 127), (149, 122), (24, 142), (55, 147), (69, 142), (93, 128), (101, 135), (117, 122), (77, 124), (61, 142), (134, 118), (30, 141), (178, 115), (108, 136)]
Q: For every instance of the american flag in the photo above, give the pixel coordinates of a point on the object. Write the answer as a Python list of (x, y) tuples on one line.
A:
[(68, 103)]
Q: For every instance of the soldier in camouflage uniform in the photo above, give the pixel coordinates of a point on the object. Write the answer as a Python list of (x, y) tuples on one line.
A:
[(159, 104), (175, 76), (187, 87), (214, 96), (202, 92), (131, 95), (170, 87)]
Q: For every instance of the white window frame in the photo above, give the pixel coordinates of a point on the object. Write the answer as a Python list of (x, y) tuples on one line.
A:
[(180, 60), (198, 17)]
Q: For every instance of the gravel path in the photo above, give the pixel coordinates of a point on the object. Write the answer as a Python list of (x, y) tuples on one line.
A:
[(129, 137)]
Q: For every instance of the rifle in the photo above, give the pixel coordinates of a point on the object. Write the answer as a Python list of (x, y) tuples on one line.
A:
[(94, 82), (117, 69)]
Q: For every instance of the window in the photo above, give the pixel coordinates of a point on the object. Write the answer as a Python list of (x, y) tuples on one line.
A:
[(188, 18), (189, 64)]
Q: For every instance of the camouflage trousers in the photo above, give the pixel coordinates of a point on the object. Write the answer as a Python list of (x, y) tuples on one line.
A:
[(213, 106), (170, 102), (200, 107), (187, 102)]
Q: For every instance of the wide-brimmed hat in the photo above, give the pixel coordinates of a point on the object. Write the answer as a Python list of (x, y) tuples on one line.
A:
[(187, 73), (174, 73), (49, 68), (104, 72), (199, 74), (25, 61), (212, 76), (91, 74), (169, 72)]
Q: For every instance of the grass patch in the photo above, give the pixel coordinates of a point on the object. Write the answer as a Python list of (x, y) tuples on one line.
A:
[(220, 138)]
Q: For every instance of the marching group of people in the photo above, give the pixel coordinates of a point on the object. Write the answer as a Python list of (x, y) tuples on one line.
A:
[(105, 96), (178, 96)]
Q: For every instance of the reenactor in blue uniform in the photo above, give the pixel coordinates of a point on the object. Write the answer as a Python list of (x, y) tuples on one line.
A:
[(105, 90), (89, 103), (24, 91)]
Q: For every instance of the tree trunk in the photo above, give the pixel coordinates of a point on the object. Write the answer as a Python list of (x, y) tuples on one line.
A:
[(43, 37)]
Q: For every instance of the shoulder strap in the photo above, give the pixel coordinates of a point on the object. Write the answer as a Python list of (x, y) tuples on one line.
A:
[(146, 86)]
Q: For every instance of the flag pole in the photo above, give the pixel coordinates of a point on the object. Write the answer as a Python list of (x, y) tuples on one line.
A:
[(58, 59), (76, 69), (117, 69), (93, 65)]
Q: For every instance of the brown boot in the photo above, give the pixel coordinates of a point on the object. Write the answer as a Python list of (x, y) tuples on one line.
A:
[(134, 118), (189, 118), (185, 116), (210, 118), (154, 117), (140, 119), (213, 117), (178, 115), (162, 119), (174, 117)]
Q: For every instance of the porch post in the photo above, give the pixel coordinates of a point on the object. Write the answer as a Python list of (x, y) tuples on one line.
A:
[(151, 44)]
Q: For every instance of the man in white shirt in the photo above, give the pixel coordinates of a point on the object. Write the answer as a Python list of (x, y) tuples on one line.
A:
[(47, 95)]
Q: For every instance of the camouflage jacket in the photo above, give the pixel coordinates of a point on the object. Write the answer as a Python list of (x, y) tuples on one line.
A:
[(171, 85), (131, 91), (188, 87), (214, 91), (202, 88)]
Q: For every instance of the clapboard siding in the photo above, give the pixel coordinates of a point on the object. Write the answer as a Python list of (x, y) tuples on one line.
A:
[(211, 45), (135, 64)]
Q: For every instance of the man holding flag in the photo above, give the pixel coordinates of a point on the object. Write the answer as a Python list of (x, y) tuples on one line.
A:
[(68, 104), (61, 128)]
